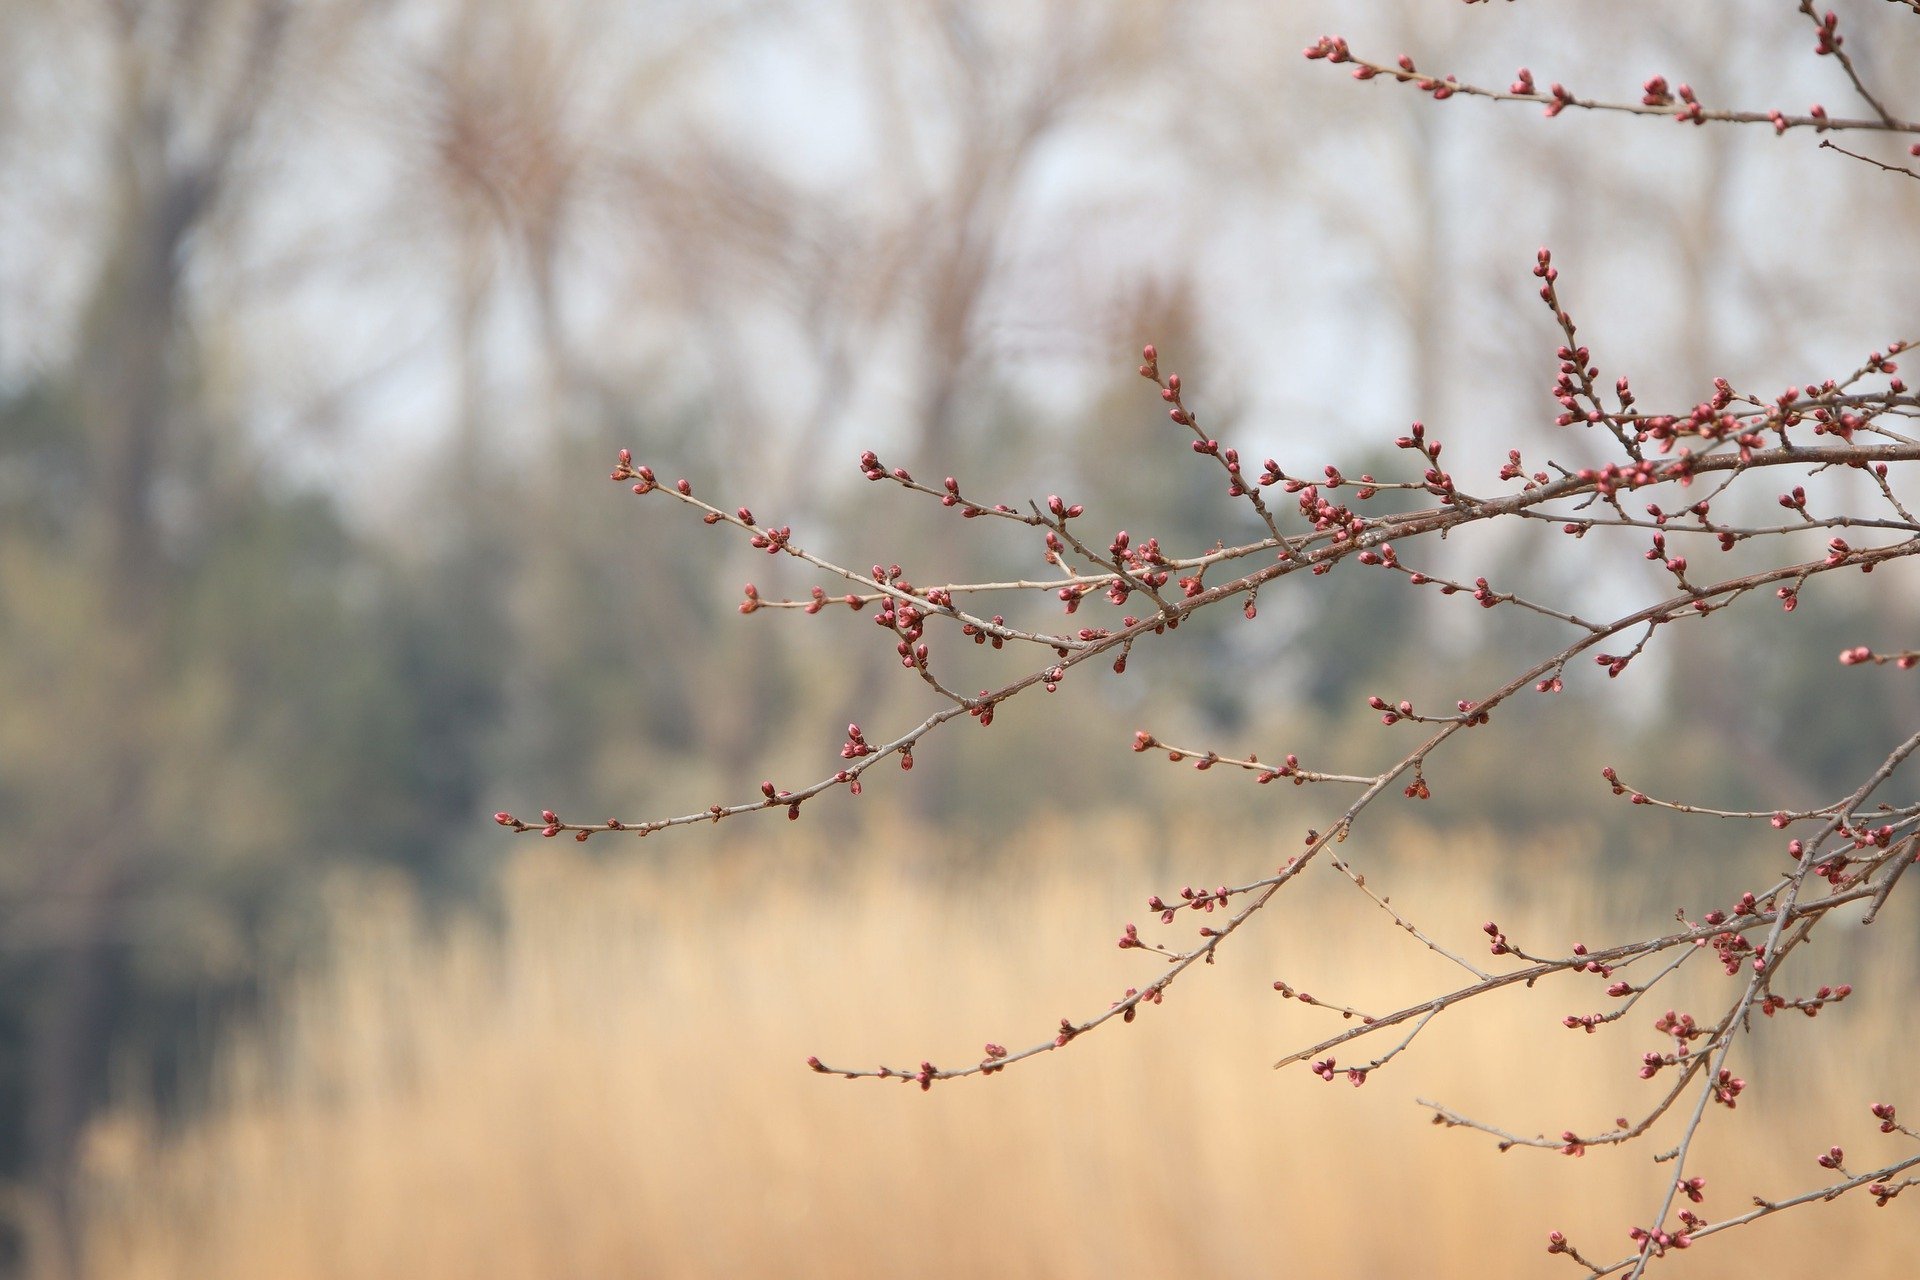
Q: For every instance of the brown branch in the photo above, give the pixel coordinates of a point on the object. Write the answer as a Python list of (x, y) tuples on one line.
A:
[(1829, 144), (1830, 43), (1334, 50)]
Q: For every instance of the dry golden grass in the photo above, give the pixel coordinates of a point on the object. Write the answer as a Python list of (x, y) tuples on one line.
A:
[(611, 1084)]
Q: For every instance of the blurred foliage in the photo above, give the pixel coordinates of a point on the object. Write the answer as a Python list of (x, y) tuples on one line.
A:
[(305, 710)]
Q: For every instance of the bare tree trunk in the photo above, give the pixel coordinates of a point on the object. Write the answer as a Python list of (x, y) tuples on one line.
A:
[(124, 372), (124, 376)]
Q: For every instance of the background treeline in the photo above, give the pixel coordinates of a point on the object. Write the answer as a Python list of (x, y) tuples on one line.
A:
[(320, 324)]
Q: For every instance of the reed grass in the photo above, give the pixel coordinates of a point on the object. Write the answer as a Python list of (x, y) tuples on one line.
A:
[(607, 1081)]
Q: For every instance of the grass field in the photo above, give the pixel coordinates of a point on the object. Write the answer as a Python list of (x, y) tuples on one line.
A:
[(609, 1081)]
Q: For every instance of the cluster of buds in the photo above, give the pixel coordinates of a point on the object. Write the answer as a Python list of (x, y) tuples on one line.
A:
[(1658, 1242), (1326, 1069), (1128, 1005), (1829, 40), (1732, 949), (1584, 964), (1332, 48), (1691, 112), (1391, 714), (1681, 1027), (1862, 654), (773, 540), (1437, 482), (1190, 899), (1810, 1006), (1289, 768)]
